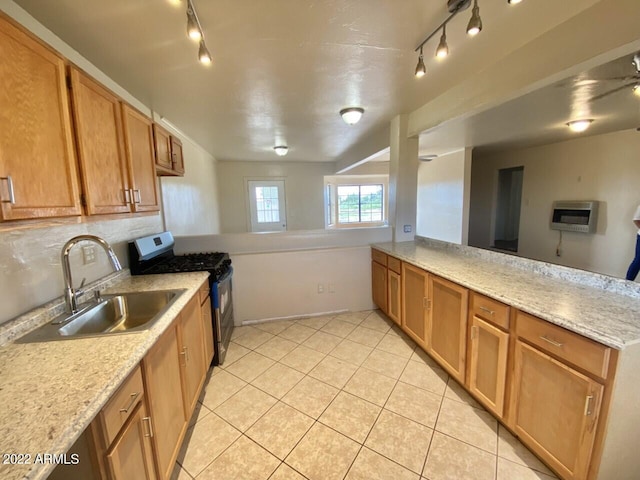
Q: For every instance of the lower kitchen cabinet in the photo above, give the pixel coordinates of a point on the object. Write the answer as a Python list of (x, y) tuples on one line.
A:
[(555, 410), (192, 362), (131, 455), (379, 285), (162, 379), (447, 325), (394, 300), (488, 352), (415, 301)]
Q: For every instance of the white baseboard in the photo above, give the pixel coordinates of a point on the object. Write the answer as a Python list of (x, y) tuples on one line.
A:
[(294, 317)]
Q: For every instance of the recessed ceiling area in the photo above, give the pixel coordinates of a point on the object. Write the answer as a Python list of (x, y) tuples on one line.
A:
[(283, 69)]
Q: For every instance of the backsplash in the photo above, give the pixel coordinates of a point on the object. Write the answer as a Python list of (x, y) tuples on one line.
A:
[(30, 259)]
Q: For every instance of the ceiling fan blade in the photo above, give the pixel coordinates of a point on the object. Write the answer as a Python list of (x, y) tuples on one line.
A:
[(611, 92)]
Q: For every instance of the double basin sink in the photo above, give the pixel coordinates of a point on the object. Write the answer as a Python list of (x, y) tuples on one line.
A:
[(110, 314)]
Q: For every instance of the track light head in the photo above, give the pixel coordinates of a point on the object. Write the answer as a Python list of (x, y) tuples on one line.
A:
[(636, 89), (443, 49), (203, 54), (193, 30), (421, 69), (475, 23)]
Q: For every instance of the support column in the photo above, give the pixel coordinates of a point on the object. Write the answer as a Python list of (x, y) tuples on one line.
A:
[(403, 178)]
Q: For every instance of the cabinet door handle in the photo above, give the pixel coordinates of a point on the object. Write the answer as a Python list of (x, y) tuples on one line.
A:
[(474, 332), (136, 194), (127, 196), (485, 309), (12, 195), (148, 420), (426, 303), (134, 397), (552, 342), (185, 354), (587, 405)]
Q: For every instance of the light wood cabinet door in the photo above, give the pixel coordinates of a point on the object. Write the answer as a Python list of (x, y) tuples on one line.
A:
[(207, 326), (138, 136), (162, 379), (99, 138), (38, 175), (130, 456), (415, 294), (488, 364), (555, 410), (447, 325), (379, 285), (162, 140), (177, 158), (394, 298), (192, 363)]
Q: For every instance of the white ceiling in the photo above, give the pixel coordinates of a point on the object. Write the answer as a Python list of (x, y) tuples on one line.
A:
[(284, 68)]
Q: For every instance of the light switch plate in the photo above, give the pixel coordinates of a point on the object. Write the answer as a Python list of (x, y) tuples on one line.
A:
[(407, 229)]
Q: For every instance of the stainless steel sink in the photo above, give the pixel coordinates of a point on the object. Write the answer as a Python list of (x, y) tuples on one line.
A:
[(112, 314)]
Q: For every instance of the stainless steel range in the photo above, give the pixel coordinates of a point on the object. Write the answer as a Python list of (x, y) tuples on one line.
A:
[(154, 254)]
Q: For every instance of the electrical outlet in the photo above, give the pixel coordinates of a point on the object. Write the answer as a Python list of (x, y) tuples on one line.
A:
[(88, 255), (320, 288), (407, 229)]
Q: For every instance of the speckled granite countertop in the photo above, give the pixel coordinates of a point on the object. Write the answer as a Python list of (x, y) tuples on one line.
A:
[(607, 317), (51, 391)]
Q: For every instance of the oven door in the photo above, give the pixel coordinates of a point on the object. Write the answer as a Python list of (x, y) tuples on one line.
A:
[(223, 313)]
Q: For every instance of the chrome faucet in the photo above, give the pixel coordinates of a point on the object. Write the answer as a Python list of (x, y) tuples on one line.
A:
[(70, 294)]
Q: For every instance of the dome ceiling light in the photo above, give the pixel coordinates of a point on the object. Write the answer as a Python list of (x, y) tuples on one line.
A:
[(578, 126), (281, 150), (351, 115)]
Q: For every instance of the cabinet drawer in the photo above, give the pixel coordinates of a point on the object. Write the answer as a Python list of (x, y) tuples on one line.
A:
[(204, 292), (121, 405), (490, 310), (394, 264), (582, 352), (379, 257)]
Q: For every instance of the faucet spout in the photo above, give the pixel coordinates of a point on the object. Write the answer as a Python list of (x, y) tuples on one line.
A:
[(70, 295)]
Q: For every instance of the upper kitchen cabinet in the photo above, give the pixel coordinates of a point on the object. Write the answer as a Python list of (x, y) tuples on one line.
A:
[(101, 152), (38, 176), (138, 134), (169, 159)]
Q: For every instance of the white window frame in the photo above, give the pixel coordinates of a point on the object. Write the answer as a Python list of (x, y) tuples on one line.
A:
[(252, 220), (332, 220)]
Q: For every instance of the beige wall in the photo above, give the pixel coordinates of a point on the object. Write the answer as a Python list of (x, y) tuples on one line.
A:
[(304, 189), (443, 197), (190, 203), (601, 167)]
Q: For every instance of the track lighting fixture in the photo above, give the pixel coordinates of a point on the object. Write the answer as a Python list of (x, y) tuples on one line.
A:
[(203, 53), (421, 69), (194, 31), (475, 23), (443, 49), (579, 125), (351, 115), (636, 89), (281, 150)]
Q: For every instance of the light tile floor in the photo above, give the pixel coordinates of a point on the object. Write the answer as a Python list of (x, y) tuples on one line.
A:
[(342, 397)]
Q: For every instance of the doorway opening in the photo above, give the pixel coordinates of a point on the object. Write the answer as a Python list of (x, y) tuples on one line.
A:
[(508, 208)]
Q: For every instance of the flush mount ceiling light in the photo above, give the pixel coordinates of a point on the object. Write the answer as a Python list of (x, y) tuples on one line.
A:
[(195, 32), (427, 158), (580, 125), (281, 150), (513, 2), (352, 115)]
